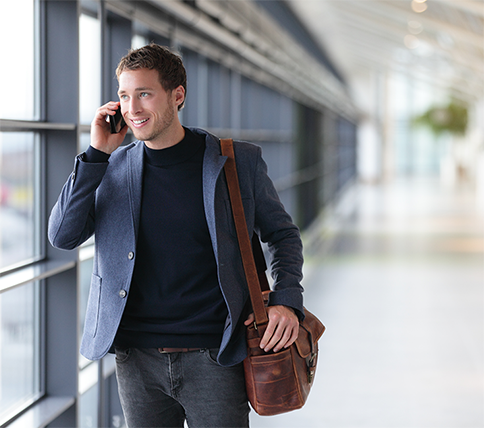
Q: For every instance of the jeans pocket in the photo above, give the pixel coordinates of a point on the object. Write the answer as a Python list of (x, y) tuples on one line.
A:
[(211, 355), (122, 354)]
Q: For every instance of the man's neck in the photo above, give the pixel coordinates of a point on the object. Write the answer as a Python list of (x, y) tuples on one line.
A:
[(172, 137)]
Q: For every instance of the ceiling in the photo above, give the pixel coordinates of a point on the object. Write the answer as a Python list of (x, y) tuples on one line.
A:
[(437, 41)]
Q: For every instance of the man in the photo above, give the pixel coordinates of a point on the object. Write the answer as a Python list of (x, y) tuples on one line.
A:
[(168, 293)]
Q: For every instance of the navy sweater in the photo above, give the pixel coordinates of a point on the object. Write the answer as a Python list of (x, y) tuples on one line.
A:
[(174, 299)]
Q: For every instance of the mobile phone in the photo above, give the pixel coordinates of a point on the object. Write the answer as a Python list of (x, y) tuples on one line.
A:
[(116, 121)]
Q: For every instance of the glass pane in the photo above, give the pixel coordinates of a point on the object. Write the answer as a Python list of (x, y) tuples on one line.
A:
[(88, 405), (19, 351), (138, 41), (84, 142), (90, 67), (17, 44), (17, 198)]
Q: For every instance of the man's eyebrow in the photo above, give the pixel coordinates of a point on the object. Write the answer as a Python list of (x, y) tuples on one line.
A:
[(143, 88)]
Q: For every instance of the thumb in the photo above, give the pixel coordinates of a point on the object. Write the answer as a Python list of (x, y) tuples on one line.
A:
[(249, 320)]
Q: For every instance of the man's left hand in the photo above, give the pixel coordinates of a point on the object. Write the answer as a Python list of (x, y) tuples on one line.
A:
[(282, 329)]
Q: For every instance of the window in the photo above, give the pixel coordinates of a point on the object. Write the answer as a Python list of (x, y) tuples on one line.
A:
[(138, 41), (90, 67), (20, 207), (19, 178), (88, 406), (17, 30), (84, 142), (19, 349)]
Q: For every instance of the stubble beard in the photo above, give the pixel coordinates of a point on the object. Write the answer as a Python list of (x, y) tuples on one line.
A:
[(160, 128)]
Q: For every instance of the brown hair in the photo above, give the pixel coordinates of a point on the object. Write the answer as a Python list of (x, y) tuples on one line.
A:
[(155, 57)]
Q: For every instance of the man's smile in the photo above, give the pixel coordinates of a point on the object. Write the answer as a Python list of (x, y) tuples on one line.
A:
[(138, 122)]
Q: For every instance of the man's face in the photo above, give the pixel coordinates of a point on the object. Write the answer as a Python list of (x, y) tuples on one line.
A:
[(149, 110)]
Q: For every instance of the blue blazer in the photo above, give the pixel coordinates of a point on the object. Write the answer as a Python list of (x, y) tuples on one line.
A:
[(104, 199)]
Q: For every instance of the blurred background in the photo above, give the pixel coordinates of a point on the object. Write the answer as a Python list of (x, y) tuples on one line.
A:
[(370, 116)]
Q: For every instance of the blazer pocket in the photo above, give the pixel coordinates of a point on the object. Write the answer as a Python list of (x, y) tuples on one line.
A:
[(92, 311)]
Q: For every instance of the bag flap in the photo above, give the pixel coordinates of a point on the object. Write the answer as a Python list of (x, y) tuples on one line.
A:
[(312, 324), (310, 329)]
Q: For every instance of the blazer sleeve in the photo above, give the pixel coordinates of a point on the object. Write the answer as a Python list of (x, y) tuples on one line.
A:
[(276, 228), (72, 218)]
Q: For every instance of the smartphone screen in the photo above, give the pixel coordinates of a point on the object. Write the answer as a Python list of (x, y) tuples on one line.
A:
[(117, 122)]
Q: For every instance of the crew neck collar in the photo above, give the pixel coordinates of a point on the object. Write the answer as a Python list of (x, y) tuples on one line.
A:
[(175, 154)]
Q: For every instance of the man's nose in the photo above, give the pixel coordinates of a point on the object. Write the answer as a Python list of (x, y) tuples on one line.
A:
[(134, 106)]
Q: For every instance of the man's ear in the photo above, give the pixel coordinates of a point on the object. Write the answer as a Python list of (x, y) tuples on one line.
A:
[(179, 95)]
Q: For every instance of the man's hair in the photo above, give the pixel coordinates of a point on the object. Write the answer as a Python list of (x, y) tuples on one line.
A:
[(155, 57)]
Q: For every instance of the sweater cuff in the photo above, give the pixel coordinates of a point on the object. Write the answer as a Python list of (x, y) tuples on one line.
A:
[(92, 155), (288, 297)]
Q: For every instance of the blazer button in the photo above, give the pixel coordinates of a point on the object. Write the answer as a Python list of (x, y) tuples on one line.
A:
[(130, 255), (122, 294)]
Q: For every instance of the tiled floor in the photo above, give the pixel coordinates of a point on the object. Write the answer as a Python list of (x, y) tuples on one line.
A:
[(397, 276)]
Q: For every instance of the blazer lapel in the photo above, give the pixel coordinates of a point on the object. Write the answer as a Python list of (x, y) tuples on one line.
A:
[(135, 182), (213, 163)]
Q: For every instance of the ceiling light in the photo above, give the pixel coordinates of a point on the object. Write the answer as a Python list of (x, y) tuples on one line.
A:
[(418, 6), (411, 42), (415, 27), (445, 40)]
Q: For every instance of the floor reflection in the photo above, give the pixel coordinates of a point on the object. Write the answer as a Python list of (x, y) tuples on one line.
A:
[(397, 275)]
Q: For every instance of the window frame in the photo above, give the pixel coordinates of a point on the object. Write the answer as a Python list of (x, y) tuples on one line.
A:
[(19, 125)]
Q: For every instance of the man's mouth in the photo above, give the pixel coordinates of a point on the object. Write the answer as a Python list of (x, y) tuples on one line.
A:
[(138, 122)]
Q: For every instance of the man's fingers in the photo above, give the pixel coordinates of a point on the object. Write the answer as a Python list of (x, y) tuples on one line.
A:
[(292, 338), (282, 329), (250, 319), (108, 109), (282, 338), (101, 137), (267, 338)]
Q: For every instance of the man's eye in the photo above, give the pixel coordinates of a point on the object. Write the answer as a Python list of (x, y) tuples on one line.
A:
[(143, 94), (123, 97)]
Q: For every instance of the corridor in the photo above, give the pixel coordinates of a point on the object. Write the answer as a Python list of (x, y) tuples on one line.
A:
[(396, 274)]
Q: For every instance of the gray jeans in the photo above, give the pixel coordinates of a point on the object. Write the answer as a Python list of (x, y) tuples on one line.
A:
[(162, 390)]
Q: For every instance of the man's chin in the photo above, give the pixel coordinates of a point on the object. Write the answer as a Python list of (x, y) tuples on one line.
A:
[(141, 136)]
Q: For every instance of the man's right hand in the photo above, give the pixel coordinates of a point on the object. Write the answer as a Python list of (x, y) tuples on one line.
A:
[(101, 137)]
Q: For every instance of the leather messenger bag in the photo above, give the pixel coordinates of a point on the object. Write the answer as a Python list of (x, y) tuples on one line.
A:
[(275, 382)]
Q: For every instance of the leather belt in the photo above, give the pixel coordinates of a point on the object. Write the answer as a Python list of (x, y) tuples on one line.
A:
[(170, 350)]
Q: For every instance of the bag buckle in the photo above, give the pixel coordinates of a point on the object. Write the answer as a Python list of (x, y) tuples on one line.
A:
[(310, 376), (311, 367)]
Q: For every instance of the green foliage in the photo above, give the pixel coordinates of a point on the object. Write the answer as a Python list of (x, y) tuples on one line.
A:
[(451, 118)]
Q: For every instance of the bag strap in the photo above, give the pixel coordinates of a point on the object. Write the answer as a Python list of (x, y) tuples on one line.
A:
[(243, 234)]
